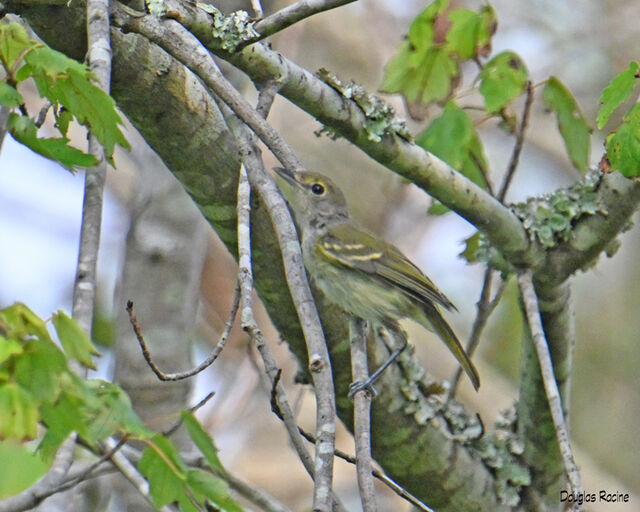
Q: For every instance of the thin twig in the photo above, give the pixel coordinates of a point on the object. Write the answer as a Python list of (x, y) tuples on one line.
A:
[(257, 8), (515, 156), (42, 115), (192, 409), (266, 96), (254, 494), (99, 57), (204, 364), (253, 163), (532, 311), (362, 414), (485, 307), (398, 489), (293, 13)]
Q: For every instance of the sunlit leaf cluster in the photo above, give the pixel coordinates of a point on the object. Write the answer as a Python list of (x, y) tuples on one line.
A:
[(68, 85), (42, 399)]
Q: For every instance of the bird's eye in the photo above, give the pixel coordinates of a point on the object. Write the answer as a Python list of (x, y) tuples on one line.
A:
[(317, 189)]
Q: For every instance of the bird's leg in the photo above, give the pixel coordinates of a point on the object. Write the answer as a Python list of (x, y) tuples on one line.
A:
[(367, 385)]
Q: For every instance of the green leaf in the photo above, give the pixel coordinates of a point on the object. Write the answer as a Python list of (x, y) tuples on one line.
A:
[(75, 341), (38, 369), (24, 130), (623, 146), (64, 416), (471, 247), (617, 92), (8, 348), (20, 468), (67, 82), (206, 486), (9, 96), (18, 413), (452, 138), (111, 412), (574, 129), (20, 322), (166, 473), (421, 76), (502, 79), (470, 31), (14, 40), (93, 108), (202, 440), (423, 70), (437, 208)]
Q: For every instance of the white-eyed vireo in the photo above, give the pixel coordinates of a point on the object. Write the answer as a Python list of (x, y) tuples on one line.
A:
[(364, 275)]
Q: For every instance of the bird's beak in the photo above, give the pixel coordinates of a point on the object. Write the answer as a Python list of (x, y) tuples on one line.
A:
[(288, 176)]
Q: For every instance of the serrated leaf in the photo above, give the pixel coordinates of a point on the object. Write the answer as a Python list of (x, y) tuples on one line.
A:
[(452, 138), (202, 440), (63, 119), (38, 369), (24, 130), (165, 472), (75, 341), (93, 108), (112, 412), (20, 322), (575, 131), (423, 71), (206, 486), (67, 83), (9, 96), (20, 468), (502, 79), (616, 93), (9, 347), (469, 31), (61, 418), (623, 146), (14, 40), (18, 413)]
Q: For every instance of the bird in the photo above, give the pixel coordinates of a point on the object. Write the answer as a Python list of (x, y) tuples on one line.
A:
[(360, 272)]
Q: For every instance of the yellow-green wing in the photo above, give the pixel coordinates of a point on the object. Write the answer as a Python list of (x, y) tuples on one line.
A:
[(348, 245)]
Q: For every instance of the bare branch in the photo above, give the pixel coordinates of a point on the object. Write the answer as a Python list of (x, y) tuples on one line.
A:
[(293, 13), (254, 494), (362, 414), (204, 364), (100, 63), (485, 307), (323, 475), (515, 156), (532, 311), (398, 489)]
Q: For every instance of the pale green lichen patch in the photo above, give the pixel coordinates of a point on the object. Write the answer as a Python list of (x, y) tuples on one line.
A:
[(550, 219), (231, 31), (501, 452), (380, 118)]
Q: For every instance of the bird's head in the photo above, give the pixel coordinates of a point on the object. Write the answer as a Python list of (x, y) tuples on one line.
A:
[(312, 196)]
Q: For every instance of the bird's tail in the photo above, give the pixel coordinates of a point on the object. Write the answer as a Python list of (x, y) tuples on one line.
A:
[(439, 325)]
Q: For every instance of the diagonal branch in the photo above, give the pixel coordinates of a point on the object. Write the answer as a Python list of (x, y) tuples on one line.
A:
[(294, 13), (530, 301)]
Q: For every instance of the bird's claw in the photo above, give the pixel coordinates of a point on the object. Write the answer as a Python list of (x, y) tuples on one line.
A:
[(362, 385)]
